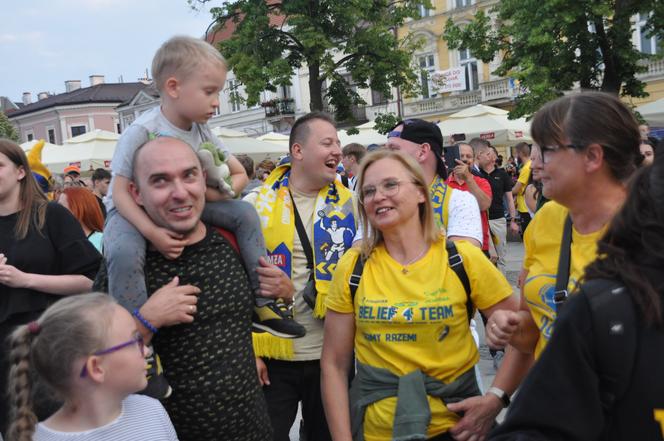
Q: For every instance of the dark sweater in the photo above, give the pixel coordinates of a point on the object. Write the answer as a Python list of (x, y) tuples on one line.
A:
[(560, 398), (210, 362)]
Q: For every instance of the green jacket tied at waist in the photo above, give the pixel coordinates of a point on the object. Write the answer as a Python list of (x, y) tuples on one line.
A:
[(412, 415)]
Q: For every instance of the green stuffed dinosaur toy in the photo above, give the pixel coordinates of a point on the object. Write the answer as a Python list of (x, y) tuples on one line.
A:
[(216, 168)]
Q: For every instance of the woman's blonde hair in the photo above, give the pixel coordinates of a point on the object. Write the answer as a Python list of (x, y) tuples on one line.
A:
[(372, 236), (72, 328)]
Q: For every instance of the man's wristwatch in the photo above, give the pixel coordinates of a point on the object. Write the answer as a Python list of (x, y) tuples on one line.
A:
[(501, 394)]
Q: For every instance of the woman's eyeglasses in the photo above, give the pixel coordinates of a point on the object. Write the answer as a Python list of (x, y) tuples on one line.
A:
[(389, 187), (137, 340), (548, 151)]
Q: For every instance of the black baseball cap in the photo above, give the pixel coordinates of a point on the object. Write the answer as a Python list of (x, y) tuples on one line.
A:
[(420, 131)]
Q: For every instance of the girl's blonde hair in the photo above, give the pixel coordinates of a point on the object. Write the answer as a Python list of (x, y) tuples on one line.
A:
[(372, 236), (72, 328)]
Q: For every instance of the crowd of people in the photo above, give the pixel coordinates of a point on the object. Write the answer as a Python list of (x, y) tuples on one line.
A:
[(191, 294)]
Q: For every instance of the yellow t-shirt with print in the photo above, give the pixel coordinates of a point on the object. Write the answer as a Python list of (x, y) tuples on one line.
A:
[(542, 241), (524, 175), (416, 320)]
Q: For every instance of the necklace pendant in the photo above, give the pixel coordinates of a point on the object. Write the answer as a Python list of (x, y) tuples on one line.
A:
[(404, 270)]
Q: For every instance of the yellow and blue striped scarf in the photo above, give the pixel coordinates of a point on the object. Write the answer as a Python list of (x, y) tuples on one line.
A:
[(333, 209), (440, 194)]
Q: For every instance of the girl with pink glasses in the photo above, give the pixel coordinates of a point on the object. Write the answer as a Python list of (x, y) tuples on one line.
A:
[(87, 350)]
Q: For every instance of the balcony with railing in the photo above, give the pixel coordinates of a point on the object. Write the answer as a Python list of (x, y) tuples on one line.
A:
[(359, 115), (490, 92), (278, 108), (655, 70)]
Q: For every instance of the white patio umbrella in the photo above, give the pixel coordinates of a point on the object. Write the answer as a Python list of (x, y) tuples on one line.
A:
[(88, 151), (275, 138), (653, 113), (488, 123), (26, 146), (239, 143), (367, 136)]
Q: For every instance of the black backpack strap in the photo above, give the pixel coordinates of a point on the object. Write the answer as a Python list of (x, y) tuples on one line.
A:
[(304, 238), (564, 261), (355, 277), (615, 327), (456, 263)]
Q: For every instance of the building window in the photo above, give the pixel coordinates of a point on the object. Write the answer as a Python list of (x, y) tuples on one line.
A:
[(467, 61), (427, 67), (463, 3), (234, 97), (30, 136), (51, 136), (77, 130), (127, 120), (285, 92), (648, 44), (378, 98), (424, 11), (217, 111)]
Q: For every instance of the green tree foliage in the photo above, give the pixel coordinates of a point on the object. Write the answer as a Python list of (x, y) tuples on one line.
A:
[(552, 46), (385, 121), (326, 36), (7, 130)]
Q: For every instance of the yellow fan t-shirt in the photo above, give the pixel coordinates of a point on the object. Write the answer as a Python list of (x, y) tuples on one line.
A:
[(415, 320), (524, 176), (542, 241)]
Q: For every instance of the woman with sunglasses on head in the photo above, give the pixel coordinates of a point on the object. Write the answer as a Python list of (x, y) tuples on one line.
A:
[(44, 255), (88, 351), (589, 144), (408, 319)]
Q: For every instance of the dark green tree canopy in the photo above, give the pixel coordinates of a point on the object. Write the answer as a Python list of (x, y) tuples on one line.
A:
[(329, 37), (552, 46), (7, 130)]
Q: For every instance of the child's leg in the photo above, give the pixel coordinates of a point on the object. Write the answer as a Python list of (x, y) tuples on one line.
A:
[(124, 251), (241, 219)]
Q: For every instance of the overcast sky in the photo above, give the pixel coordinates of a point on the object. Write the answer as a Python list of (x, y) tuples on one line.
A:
[(43, 43)]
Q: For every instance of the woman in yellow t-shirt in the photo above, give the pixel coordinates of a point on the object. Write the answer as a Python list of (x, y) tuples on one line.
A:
[(589, 145), (408, 321)]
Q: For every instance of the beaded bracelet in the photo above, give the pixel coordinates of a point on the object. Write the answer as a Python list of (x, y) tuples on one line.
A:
[(145, 322)]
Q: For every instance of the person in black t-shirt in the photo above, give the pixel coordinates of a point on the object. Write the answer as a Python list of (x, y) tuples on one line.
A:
[(44, 255), (501, 188), (101, 178)]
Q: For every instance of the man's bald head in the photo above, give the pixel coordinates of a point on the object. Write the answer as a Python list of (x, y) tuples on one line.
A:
[(158, 146), (169, 184)]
